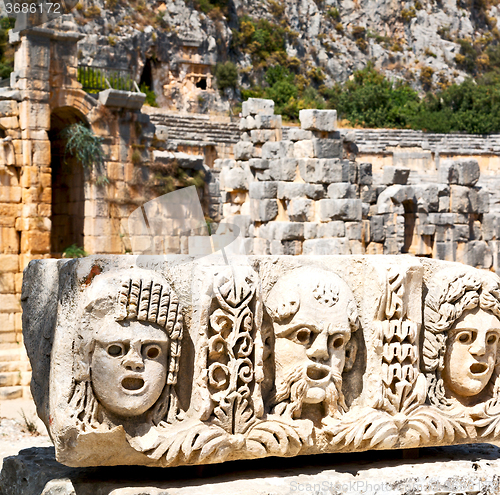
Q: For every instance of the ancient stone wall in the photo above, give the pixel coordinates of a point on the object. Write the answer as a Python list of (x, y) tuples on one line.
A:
[(308, 194), (47, 200)]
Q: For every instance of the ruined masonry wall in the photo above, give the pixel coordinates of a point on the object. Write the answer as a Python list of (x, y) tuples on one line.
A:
[(307, 195)]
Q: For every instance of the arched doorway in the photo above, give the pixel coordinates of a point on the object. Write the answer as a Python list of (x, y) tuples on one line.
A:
[(68, 180)]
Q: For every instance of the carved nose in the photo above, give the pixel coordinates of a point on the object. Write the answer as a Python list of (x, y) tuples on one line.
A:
[(133, 360), (478, 348), (319, 348)]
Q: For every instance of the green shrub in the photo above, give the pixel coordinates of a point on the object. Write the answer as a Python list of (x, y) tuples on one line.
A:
[(226, 75), (86, 147), (371, 100), (466, 59), (260, 38), (150, 95), (6, 50), (408, 14), (334, 13), (74, 251), (426, 74)]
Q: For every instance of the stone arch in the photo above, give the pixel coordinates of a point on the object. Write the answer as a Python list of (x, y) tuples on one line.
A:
[(77, 99), (68, 179)]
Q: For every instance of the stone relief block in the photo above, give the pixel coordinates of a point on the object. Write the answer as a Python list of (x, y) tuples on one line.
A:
[(167, 361)]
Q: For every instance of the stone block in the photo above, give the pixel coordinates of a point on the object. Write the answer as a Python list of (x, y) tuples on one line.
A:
[(331, 229), (303, 149), (259, 163), (327, 148), (395, 175), (9, 263), (35, 242), (292, 248), (368, 194), (287, 231), (426, 229), (234, 179), (341, 190), (377, 228), (459, 199), (247, 123), (7, 283), (339, 209), (468, 172), (353, 231), (318, 120), (276, 150), (311, 230), (122, 99), (365, 174), (284, 169), (297, 134), (263, 190), (9, 303), (478, 254), (9, 122), (9, 108), (259, 136), (490, 226), (324, 171), (441, 218), (325, 247), (255, 106), (461, 233), (243, 150), (300, 210), (447, 173), (276, 248), (9, 240), (263, 210), (443, 204), (266, 121), (483, 202), (353, 172)]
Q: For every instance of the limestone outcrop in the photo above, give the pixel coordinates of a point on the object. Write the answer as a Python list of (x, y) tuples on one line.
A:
[(407, 40)]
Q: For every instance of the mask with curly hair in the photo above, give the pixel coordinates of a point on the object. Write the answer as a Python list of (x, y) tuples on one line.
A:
[(127, 350), (462, 328)]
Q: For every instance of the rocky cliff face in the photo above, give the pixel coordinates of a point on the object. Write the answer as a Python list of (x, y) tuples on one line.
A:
[(174, 46)]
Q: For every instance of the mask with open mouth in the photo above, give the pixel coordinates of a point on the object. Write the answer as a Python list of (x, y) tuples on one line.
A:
[(129, 366), (471, 352)]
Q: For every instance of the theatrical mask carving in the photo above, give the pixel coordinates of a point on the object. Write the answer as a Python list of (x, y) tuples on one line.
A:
[(471, 352), (268, 353), (129, 366), (462, 329), (130, 347), (313, 313)]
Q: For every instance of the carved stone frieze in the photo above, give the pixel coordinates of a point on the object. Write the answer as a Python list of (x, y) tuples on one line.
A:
[(180, 362)]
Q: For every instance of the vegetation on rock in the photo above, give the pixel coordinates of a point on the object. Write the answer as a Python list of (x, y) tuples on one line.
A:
[(86, 147)]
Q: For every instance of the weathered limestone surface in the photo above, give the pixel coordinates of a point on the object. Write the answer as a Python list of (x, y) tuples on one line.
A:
[(471, 470), (167, 361)]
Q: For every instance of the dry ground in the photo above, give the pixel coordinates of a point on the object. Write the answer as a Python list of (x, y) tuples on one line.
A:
[(14, 429)]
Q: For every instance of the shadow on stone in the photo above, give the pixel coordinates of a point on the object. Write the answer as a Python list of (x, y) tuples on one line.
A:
[(35, 471)]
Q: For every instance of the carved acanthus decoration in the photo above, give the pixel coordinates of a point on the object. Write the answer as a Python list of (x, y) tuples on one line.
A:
[(273, 356)]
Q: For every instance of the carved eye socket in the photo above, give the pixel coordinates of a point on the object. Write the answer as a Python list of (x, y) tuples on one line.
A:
[(492, 339), (116, 350), (152, 351), (338, 342), (465, 337), (303, 336)]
